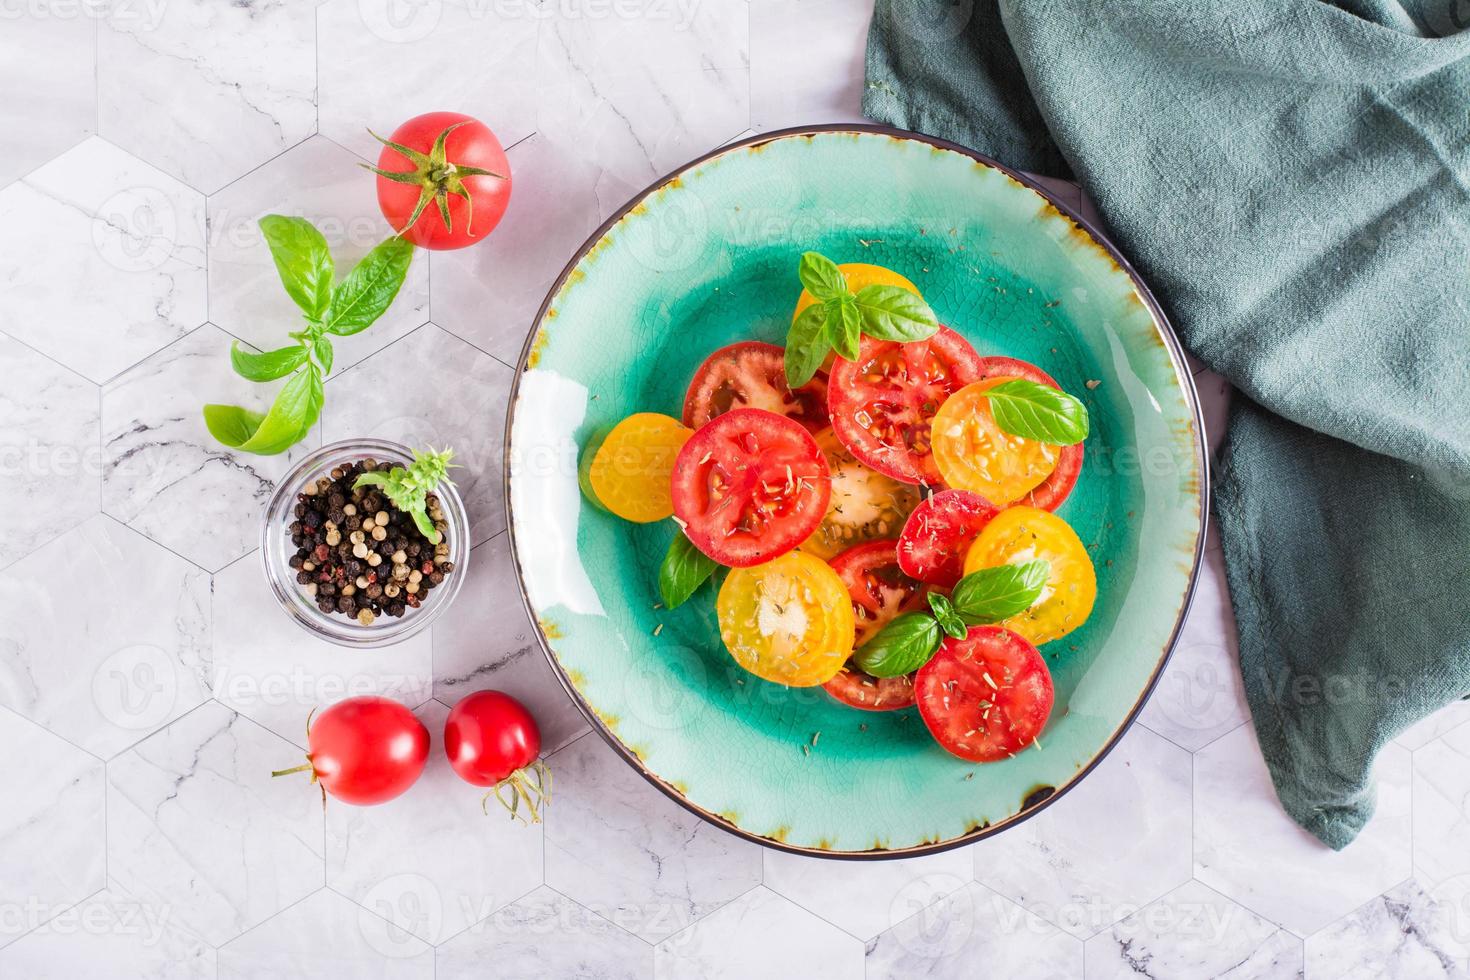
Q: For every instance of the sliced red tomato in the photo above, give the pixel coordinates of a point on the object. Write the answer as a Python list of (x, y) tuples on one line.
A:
[(883, 403), (938, 534), (985, 697), (880, 591), (753, 375), (750, 486), (1056, 487)]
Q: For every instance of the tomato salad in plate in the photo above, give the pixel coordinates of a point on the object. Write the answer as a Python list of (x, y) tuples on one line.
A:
[(878, 503)]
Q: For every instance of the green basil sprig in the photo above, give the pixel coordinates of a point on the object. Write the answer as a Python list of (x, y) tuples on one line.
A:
[(1038, 412), (839, 318), (989, 595), (307, 271), (685, 568)]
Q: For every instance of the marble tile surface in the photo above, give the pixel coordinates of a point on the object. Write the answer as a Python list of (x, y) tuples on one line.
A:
[(325, 937), (866, 899), (1442, 809), (1405, 932), (49, 74), (759, 934), (806, 61)]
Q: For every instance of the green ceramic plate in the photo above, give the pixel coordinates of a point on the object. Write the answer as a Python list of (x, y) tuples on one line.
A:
[(707, 257)]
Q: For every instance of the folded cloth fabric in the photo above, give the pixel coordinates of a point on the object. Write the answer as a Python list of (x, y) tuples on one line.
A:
[(1293, 179)]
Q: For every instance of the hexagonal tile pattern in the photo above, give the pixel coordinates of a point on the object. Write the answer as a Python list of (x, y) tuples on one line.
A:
[(319, 181), (110, 934), (760, 934), (120, 249), (1248, 849), (51, 838), (196, 824), (608, 39), (869, 897), (489, 294), (104, 665), (432, 862), (1194, 932), (806, 61), (271, 670), (414, 40), (1117, 840), (48, 450), (617, 846), (1201, 697), (206, 91), (545, 935), (164, 475), (1443, 721), (950, 938), (326, 936), (1403, 933), (1442, 808), (433, 389), (49, 72), (490, 644)]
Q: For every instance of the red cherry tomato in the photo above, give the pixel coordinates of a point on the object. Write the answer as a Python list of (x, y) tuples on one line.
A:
[(985, 697), (750, 486), (471, 163), (753, 375), (492, 740), (883, 403), (1056, 487), (938, 534), (880, 591), (366, 750)]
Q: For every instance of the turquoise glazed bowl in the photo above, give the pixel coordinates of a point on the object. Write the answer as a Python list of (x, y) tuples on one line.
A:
[(707, 257)]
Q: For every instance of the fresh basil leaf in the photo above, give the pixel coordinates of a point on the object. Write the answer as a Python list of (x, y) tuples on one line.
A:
[(369, 288), (844, 327), (901, 647), (820, 276), (995, 594), (322, 348), (685, 568), (302, 259), (1038, 412), (231, 424), (426, 527), (294, 412), (806, 345), (268, 366), (948, 619), (894, 313)]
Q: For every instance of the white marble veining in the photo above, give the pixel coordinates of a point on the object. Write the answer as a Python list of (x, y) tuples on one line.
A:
[(164, 475), (432, 389), (206, 91), (319, 181), (101, 259), (49, 76), (1405, 932), (490, 644), (271, 670), (49, 453), (760, 934), (103, 674), (432, 861), (326, 937), (866, 899), (197, 826), (617, 846)]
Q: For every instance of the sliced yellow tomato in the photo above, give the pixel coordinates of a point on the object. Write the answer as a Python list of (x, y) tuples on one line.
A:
[(865, 505), (1021, 534), (973, 453), (859, 274), (630, 469), (788, 621)]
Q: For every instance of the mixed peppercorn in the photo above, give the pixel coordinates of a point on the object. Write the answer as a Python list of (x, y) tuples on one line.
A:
[(359, 555)]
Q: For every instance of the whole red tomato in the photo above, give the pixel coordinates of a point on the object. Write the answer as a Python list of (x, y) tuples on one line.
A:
[(492, 740), (444, 177), (365, 750)]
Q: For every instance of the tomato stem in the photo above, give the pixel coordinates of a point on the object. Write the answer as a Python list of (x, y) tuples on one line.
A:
[(286, 772), (531, 784)]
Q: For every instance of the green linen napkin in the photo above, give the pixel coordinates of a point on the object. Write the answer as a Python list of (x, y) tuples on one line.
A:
[(1293, 179)]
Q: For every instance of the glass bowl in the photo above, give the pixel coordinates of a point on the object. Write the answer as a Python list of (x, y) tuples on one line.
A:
[(276, 550)]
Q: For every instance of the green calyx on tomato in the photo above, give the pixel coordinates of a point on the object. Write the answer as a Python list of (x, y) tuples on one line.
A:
[(436, 176), (839, 318)]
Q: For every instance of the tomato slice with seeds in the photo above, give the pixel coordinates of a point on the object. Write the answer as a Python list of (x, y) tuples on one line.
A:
[(986, 697), (883, 403), (787, 621), (880, 591), (865, 504), (750, 486), (1022, 534), (753, 375), (1057, 486), (938, 534)]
